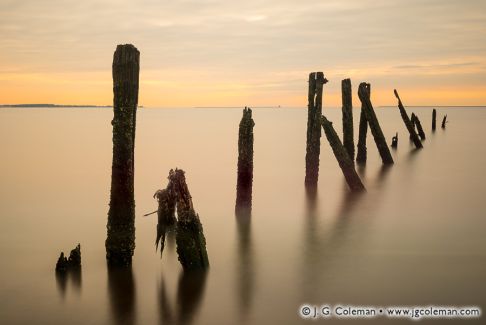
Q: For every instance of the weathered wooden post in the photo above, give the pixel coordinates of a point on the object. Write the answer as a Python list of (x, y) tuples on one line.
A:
[(348, 134), (191, 243), (363, 130), (245, 163), (434, 118), (420, 130), (375, 128), (394, 143), (444, 121), (314, 111), (408, 123), (345, 162), (166, 214), (120, 241)]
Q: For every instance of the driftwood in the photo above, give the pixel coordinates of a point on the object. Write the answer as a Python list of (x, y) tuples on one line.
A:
[(345, 162), (408, 123), (434, 119), (120, 241), (363, 130), (375, 128), (316, 82), (394, 143), (347, 110), (245, 164), (444, 121)]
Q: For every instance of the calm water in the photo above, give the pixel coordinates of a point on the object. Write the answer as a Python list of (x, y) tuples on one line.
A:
[(417, 237)]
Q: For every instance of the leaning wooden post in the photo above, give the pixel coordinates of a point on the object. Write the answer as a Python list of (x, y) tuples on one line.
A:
[(444, 121), (434, 119), (363, 130), (348, 133), (120, 241), (245, 163), (316, 82), (408, 123), (345, 162), (191, 243), (375, 128), (420, 130)]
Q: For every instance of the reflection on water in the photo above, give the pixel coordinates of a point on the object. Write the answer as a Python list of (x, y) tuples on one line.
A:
[(122, 295), (190, 293), (73, 277)]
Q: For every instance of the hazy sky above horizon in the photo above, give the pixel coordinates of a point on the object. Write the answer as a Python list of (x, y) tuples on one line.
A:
[(253, 52)]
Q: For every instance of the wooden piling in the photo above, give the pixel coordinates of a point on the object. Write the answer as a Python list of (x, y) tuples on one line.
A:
[(348, 134), (166, 214), (245, 163), (444, 121), (375, 128), (363, 130), (190, 240), (418, 125), (120, 241), (341, 154), (314, 111), (394, 143), (408, 123), (434, 118)]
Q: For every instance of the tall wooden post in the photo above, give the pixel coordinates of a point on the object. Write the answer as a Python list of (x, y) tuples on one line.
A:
[(434, 119), (408, 123), (375, 128), (314, 112), (245, 163), (363, 130), (120, 241), (348, 134)]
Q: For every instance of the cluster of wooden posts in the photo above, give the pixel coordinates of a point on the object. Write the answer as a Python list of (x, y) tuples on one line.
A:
[(344, 151), (190, 240)]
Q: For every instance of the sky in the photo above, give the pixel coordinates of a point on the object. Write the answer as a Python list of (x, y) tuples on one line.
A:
[(246, 52)]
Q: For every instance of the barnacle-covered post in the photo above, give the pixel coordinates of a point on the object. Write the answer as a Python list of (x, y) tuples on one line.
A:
[(434, 118), (120, 241), (314, 111), (363, 130), (408, 123), (348, 133), (345, 162), (245, 163), (375, 128), (191, 243)]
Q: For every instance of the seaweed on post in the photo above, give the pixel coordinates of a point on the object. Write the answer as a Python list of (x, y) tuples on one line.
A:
[(120, 241)]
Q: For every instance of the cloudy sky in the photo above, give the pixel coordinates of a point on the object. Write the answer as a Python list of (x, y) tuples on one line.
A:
[(252, 52)]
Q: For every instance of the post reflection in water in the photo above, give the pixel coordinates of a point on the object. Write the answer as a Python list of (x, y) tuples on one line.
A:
[(121, 294), (72, 276), (190, 293)]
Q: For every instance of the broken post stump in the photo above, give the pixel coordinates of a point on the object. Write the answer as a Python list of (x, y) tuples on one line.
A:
[(375, 128), (345, 162), (166, 215), (314, 111), (434, 118), (444, 121), (394, 143), (347, 109), (190, 240), (73, 262), (120, 241), (420, 130), (245, 163), (408, 123), (363, 130)]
